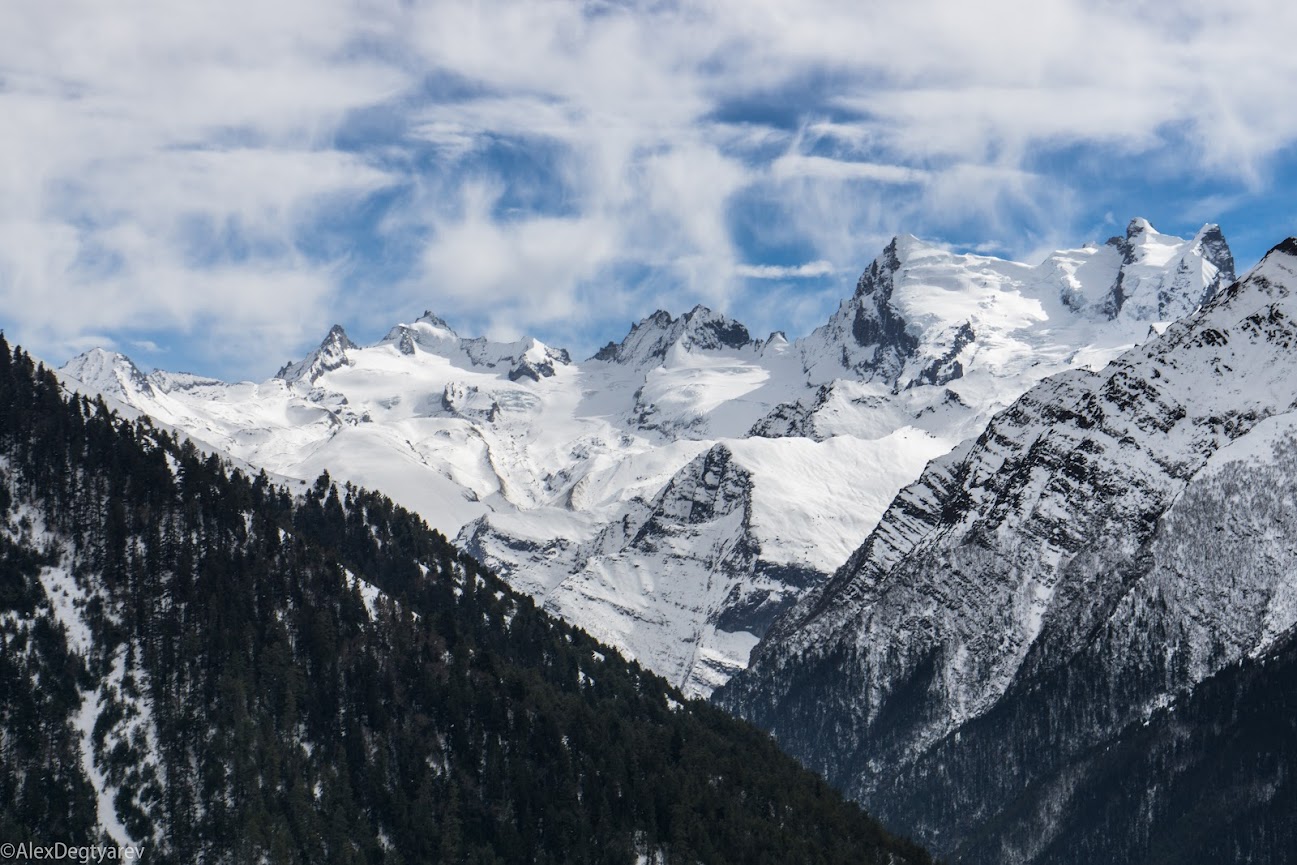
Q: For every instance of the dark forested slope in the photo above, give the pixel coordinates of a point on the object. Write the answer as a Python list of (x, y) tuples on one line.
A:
[(194, 660)]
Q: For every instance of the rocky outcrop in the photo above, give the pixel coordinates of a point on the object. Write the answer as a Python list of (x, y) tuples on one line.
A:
[(1042, 589)]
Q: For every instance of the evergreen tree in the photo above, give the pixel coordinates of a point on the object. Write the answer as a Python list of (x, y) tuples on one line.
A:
[(328, 680)]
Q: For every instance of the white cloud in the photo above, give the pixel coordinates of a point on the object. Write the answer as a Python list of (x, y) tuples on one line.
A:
[(158, 152), (511, 273), (776, 271), (822, 167), (162, 160)]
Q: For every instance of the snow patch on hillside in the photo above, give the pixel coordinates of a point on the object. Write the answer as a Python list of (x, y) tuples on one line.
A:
[(68, 600)]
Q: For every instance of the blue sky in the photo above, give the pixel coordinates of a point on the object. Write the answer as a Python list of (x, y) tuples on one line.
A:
[(209, 186)]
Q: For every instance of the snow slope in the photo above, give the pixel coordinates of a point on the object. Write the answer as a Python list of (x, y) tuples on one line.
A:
[(678, 490), (1109, 542)]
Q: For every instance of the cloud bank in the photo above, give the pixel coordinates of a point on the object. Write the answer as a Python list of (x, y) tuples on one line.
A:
[(214, 184)]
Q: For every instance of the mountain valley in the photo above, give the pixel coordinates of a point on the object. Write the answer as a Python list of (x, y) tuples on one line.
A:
[(1069, 632)]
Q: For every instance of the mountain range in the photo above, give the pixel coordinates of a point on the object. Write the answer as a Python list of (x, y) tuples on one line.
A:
[(197, 665), (1052, 639), (680, 489), (1003, 551)]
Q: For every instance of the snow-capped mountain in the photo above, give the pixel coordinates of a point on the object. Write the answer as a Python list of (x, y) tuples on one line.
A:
[(923, 321), (651, 340), (1111, 541), (331, 354), (681, 488), (197, 666), (528, 358), (109, 374)]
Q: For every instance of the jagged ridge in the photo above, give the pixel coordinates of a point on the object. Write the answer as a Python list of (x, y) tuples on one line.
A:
[(538, 460), (1021, 571)]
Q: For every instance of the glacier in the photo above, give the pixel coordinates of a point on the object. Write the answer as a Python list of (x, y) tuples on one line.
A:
[(682, 488)]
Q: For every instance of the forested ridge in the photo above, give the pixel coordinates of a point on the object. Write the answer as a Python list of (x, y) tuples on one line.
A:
[(322, 678)]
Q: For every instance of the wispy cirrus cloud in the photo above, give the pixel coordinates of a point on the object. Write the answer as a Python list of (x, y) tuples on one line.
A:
[(827, 168), (777, 271), (220, 183)]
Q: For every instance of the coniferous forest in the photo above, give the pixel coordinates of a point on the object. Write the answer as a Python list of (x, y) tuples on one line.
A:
[(320, 678)]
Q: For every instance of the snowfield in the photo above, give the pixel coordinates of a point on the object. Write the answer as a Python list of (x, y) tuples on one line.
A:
[(677, 491)]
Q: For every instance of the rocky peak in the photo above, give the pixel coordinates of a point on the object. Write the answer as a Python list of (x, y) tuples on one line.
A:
[(648, 329), (436, 322), (1210, 244), (331, 354), (1137, 226), (867, 337), (537, 361), (1162, 277), (707, 330), (1133, 247), (878, 276), (651, 339), (775, 344), (1286, 247), (429, 332)]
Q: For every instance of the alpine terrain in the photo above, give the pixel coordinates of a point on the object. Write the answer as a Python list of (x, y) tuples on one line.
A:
[(1073, 639), (676, 492), (196, 663)]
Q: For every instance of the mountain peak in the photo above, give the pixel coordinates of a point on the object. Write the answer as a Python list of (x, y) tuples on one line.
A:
[(1137, 226), (1209, 231), (535, 360), (1287, 247), (108, 372), (878, 275), (337, 337), (709, 329), (1278, 265), (435, 321), (867, 337), (1163, 277), (329, 355), (700, 329), (903, 244)]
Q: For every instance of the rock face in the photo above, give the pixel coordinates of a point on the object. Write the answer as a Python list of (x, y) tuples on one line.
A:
[(868, 332), (331, 354), (690, 549), (688, 578), (582, 481), (1161, 280), (700, 329), (1110, 542)]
